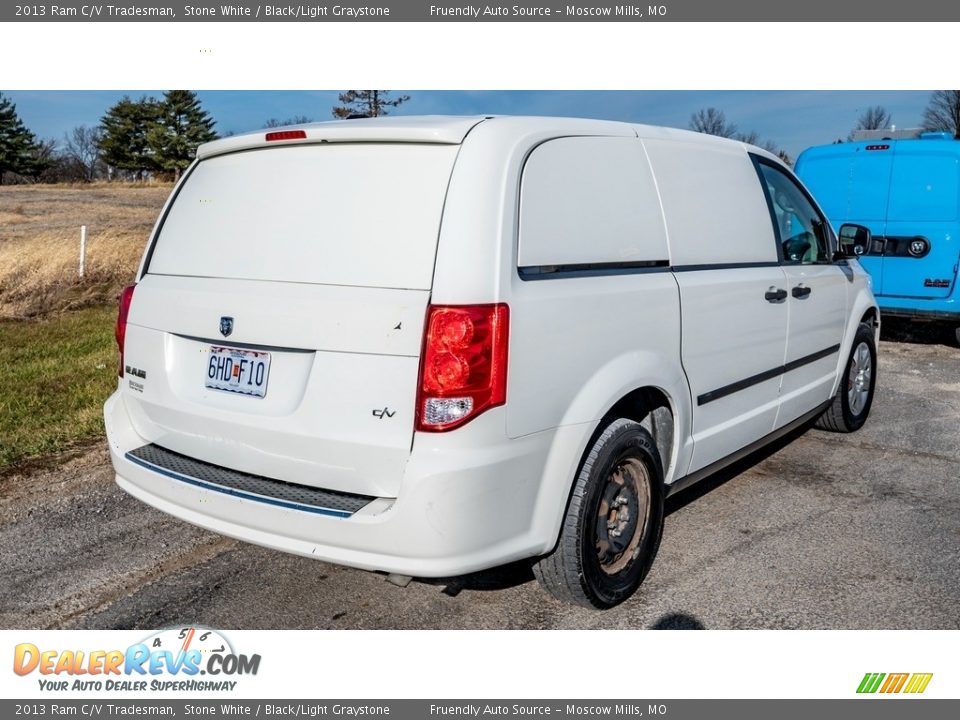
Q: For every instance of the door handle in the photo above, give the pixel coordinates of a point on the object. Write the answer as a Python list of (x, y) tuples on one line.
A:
[(775, 295), (801, 291)]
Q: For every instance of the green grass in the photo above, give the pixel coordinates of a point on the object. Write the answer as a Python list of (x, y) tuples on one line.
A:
[(55, 375)]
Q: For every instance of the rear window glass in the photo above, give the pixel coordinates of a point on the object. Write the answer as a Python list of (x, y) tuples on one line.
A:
[(348, 214), (924, 187)]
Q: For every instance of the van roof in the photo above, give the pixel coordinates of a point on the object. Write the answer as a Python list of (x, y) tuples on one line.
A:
[(941, 142), (447, 129), (427, 129)]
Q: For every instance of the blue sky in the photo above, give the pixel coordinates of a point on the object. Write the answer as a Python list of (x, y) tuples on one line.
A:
[(794, 119)]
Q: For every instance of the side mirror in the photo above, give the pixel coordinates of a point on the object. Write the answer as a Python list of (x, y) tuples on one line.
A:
[(854, 240)]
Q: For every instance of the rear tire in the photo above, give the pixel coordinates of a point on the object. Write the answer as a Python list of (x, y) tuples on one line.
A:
[(851, 405), (613, 524)]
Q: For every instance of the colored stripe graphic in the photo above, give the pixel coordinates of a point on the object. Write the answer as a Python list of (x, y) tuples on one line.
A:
[(870, 682), (918, 683), (894, 682)]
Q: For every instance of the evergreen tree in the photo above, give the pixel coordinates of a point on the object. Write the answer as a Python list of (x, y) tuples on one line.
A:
[(123, 135), (20, 153), (181, 126), (367, 103)]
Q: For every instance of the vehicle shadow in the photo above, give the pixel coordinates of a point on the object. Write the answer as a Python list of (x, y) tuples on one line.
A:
[(520, 573), (712, 482), (498, 578), (677, 621), (901, 330)]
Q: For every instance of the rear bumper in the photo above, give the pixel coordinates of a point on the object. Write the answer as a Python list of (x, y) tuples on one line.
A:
[(461, 508)]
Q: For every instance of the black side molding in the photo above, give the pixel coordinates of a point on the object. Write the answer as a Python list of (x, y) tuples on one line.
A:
[(726, 266), (550, 272), (722, 392)]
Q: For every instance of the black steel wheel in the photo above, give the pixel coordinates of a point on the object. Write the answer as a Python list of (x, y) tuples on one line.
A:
[(614, 521)]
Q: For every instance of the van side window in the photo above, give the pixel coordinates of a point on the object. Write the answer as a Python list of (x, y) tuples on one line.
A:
[(801, 231)]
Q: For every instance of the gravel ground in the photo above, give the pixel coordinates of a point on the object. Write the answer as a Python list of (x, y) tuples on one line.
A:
[(817, 531)]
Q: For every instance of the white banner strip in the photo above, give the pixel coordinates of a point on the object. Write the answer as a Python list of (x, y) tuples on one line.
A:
[(464, 664)]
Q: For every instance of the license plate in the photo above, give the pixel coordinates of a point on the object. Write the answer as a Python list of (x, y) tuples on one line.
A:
[(238, 371)]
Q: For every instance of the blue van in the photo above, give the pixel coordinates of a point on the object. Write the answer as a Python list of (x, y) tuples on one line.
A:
[(907, 193)]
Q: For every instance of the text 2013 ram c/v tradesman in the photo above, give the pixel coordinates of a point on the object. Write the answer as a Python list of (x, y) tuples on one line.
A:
[(429, 346)]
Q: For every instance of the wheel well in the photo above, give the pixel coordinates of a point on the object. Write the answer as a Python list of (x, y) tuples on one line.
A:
[(871, 316), (651, 408)]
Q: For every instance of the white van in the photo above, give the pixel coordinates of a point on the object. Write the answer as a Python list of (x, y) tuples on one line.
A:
[(429, 346)]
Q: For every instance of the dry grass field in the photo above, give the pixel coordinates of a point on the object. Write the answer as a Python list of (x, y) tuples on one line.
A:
[(57, 352), (40, 240)]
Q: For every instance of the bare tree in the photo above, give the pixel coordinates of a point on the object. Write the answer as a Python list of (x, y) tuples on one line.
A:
[(367, 103), (943, 112), (769, 145), (712, 122), (875, 117), (44, 155), (82, 147), (295, 120)]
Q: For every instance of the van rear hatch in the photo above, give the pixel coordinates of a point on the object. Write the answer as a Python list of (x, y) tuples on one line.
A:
[(277, 326), (922, 234), (852, 185)]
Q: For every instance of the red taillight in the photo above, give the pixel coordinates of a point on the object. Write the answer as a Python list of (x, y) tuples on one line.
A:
[(287, 135), (126, 297), (463, 370)]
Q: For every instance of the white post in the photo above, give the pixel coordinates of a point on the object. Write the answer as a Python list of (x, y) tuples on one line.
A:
[(83, 247)]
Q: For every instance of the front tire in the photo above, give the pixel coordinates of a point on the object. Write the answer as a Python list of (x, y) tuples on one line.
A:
[(613, 524), (851, 405)]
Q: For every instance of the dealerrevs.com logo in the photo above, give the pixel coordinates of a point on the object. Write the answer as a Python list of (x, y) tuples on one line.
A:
[(173, 659), (911, 683)]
